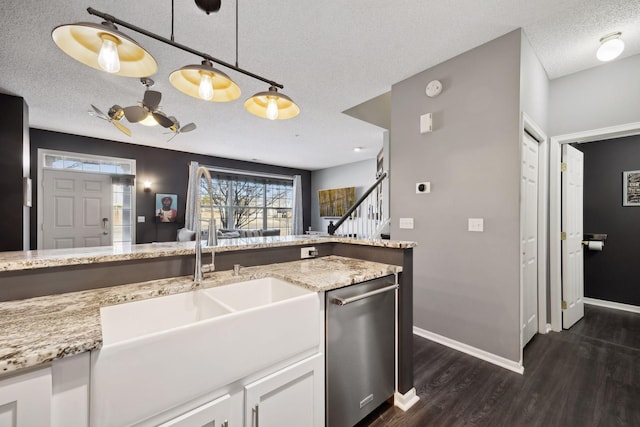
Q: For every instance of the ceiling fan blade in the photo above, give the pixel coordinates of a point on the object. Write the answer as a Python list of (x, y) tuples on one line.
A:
[(135, 113), (187, 128), (174, 135), (99, 112), (122, 128), (152, 99), (163, 120)]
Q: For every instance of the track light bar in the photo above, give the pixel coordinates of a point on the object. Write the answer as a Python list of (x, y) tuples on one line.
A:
[(114, 20)]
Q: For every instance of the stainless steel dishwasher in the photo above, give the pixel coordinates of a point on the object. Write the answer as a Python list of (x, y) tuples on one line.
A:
[(360, 349)]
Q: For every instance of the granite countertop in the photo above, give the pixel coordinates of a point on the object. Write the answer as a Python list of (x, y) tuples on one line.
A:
[(39, 330), (27, 260)]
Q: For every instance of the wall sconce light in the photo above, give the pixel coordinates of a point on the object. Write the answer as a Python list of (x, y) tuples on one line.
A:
[(147, 186)]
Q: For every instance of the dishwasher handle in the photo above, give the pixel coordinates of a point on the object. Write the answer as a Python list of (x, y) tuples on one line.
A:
[(345, 301)]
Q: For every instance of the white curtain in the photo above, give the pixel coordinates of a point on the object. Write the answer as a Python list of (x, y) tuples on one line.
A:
[(193, 190), (297, 205)]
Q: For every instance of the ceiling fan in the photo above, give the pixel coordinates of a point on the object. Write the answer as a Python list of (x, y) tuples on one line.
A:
[(113, 116), (176, 129), (147, 112)]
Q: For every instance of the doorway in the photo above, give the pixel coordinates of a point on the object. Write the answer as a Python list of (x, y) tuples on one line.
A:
[(555, 204), (84, 200)]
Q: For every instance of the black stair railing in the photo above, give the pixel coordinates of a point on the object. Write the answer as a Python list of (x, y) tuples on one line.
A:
[(331, 228)]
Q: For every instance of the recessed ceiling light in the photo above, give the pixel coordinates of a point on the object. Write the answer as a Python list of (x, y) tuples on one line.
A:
[(611, 46), (357, 149)]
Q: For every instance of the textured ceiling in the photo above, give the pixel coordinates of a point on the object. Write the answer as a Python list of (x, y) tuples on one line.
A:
[(330, 56)]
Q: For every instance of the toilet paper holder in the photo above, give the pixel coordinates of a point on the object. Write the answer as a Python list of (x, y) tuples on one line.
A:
[(596, 239)]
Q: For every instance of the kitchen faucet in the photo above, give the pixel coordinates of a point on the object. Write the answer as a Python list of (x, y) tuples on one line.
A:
[(212, 238)]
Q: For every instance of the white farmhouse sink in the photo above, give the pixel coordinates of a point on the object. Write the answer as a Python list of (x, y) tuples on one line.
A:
[(163, 352), (254, 293), (134, 319)]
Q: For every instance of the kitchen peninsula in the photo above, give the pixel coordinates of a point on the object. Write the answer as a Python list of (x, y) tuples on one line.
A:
[(51, 299)]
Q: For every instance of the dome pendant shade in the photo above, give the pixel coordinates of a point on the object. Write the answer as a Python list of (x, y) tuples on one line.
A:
[(84, 42), (189, 80), (611, 46), (262, 105)]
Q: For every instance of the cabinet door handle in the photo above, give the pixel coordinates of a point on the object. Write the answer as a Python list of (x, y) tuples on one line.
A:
[(256, 413)]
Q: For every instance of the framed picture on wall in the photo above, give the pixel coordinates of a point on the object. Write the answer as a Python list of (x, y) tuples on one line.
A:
[(166, 207), (631, 188)]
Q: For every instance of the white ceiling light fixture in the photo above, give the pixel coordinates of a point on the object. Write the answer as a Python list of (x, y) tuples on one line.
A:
[(611, 46)]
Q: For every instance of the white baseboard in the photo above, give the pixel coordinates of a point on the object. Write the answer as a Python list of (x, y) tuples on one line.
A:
[(405, 401), (611, 304), (473, 351)]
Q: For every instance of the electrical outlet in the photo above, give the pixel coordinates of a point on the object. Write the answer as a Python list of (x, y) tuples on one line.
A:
[(141, 218), (310, 252), (406, 223), (476, 224)]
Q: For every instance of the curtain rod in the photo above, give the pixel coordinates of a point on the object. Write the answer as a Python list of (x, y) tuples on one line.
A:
[(248, 173)]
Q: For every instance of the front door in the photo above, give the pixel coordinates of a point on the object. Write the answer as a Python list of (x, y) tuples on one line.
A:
[(76, 209), (572, 250)]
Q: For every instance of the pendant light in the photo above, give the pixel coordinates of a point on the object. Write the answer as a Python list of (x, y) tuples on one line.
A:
[(272, 105), (204, 82), (611, 46), (103, 47)]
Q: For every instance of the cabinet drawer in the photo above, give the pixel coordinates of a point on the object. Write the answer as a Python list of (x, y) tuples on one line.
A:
[(212, 414)]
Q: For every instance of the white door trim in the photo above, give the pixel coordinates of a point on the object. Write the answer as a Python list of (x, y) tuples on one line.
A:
[(543, 161), (555, 203)]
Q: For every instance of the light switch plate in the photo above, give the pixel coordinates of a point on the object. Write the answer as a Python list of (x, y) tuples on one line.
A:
[(476, 224), (426, 123), (141, 218), (406, 223)]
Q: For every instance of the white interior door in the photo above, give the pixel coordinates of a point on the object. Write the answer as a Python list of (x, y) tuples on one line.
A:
[(529, 238), (572, 250), (76, 209)]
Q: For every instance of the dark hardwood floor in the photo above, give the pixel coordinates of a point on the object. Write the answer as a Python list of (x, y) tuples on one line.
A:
[(586, 376)]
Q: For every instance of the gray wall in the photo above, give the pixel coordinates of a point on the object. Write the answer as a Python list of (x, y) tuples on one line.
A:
[(466, 284), (604, 96), (534, 86), (360, 175)]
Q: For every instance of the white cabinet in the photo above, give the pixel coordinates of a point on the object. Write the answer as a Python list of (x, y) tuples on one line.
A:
[(25, 399), (212, 414), (293, 396), (70, 400)]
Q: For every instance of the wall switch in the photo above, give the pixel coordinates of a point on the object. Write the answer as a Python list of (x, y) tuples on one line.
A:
[(309, 252), (426, 123), (423, 187), (476, 224), (141, 218), (406, 223)]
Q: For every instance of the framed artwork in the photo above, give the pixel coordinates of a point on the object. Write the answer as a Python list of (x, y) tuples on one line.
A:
[(166, 207), (631, 188), (336, 202)]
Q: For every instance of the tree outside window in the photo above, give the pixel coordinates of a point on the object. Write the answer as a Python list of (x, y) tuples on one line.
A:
[(249, 203)]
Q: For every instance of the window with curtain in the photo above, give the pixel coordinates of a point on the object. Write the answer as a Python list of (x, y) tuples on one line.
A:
[(249, 202)]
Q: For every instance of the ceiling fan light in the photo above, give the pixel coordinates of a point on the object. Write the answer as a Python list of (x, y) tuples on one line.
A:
[(272, 105), (85, 41), (611, 46), (191, 79), (149, 120)]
